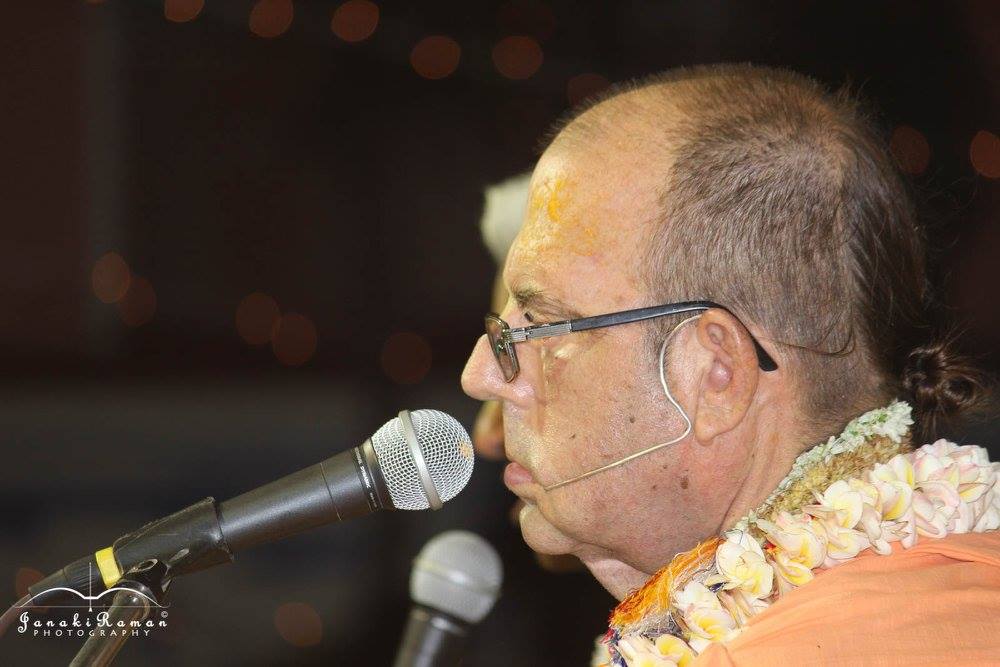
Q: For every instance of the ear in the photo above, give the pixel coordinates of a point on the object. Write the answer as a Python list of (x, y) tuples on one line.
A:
[(728, 386)]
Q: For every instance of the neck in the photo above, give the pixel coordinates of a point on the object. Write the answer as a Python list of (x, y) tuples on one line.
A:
[(775, 446), (770, 457), (618, 578)]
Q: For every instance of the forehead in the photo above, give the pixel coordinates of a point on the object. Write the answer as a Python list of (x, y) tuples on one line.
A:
[(583, 232)]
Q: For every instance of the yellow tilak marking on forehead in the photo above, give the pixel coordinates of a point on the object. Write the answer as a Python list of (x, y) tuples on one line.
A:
[(549, 197), (557, 200), (548, 203)]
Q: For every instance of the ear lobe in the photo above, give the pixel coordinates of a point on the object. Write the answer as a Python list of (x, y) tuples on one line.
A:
[(730, 381)]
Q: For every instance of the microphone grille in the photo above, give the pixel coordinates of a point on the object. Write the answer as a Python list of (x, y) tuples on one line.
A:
[(446, 449), (459, 573)]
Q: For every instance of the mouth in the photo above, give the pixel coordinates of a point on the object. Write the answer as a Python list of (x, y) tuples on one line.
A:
[(516, 477)]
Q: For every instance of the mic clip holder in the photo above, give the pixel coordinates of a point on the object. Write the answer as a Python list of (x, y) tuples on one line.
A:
[(136, 593)]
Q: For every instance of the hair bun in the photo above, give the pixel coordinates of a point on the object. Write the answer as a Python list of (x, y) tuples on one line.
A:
[(943, 385)]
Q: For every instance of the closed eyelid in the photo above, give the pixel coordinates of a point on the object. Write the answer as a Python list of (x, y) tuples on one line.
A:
[(536, 302)]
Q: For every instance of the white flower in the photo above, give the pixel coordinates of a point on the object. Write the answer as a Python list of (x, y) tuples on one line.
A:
[(879, 533), (840, 504), (935, 507), (800, 546), (896, 422), (708, 626), (976, 474), (704, 616), (990, 520), (696, 594), (741, 564), (637, 651), (894, 481), (842, 543)]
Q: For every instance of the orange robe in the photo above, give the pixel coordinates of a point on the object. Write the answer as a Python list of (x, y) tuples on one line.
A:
[(937, 603)]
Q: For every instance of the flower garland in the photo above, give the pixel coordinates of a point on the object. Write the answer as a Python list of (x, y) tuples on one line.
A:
[(860, 490)]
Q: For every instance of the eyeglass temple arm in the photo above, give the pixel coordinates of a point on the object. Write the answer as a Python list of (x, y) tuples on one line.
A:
[(519, 334), (638, 315)]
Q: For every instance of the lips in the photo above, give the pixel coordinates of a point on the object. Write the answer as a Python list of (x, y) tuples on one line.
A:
[(515, 475)]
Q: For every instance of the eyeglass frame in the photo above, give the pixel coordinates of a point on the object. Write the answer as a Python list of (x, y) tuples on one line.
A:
[(509, 336)]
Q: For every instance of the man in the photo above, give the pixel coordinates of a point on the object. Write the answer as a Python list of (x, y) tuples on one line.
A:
[(671, 449)]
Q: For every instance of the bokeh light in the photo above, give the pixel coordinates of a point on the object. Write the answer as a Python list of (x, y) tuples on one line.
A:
[(181, 11), (517, 57), (24, 577), (138, 306), (270, 18), (256, 317), (585, 85), (984, 151), (110, 278), (294, 339), (406, 357), (298, 624), (911, 149), (355, 20), (435, 57)]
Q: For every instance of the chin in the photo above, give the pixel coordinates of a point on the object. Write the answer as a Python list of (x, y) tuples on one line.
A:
[(541, 535)]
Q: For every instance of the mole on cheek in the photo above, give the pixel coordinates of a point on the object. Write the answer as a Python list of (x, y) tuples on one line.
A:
[(684, 482)]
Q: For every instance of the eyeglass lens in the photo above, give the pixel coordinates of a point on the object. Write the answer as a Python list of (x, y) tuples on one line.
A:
[(501, 350)]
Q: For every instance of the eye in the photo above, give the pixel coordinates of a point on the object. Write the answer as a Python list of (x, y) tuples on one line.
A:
[(528, 316)]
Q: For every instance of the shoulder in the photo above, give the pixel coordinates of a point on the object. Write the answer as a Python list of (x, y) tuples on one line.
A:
[(938, 602)]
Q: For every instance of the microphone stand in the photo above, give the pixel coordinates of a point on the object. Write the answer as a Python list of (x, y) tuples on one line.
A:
[(146, 581)]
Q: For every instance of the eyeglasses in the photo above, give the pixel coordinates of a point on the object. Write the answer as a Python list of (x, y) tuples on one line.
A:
[(502, 337)]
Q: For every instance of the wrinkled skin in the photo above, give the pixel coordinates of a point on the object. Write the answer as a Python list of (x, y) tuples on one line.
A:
[(590, 398)]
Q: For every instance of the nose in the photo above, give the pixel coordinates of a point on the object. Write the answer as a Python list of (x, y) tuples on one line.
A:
[(481, 378)]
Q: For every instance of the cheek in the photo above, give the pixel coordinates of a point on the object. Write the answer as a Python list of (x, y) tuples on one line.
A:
[(558, 361), (580, 511), (592, 412)]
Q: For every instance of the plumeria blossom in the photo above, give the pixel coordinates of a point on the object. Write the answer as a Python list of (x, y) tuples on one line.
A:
[(704, 616), (799, 546), (676, 649), (895, 483), (741, 564), (639, 651), (696, 594), (840, 503)]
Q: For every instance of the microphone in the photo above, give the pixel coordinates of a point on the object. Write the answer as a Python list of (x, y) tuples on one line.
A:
[(455, 581), (416, 461)]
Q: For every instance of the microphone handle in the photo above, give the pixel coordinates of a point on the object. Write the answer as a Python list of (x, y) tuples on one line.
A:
[(432, 639), (346, 485)]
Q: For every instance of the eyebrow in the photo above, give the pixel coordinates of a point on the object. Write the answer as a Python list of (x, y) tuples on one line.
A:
[(530, 297)]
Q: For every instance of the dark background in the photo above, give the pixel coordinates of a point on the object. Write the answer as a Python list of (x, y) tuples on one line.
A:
[(335, 179)]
